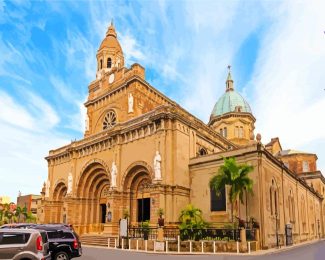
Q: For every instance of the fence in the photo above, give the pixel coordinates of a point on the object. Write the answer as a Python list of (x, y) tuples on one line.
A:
[(171, 234)]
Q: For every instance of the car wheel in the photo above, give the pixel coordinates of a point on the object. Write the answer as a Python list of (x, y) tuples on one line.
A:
[(61, 256)]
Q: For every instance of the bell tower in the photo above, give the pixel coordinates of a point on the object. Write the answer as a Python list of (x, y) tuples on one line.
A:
[(109, 55)]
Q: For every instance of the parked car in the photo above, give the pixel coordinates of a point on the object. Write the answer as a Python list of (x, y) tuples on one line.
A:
[(64, 242), (17, 225), (17, 244)]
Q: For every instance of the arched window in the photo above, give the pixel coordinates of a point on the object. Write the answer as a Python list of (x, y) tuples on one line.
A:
[(225, 132), (203, 151), (218, 203), (221, 131), (236, 132), (241, 132), (109, 120), (109, 63), (303, 213), (101, 63), (274, 198), (291, 204), (305, 166)]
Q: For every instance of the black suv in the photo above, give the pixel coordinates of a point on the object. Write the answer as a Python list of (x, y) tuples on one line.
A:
[(64, 242)]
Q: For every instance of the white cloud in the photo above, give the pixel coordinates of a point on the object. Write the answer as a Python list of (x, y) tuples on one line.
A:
[(131, 49), (36, 114), (13, 113), (23, 166), (45, 115), (26, 136), (289, 76)]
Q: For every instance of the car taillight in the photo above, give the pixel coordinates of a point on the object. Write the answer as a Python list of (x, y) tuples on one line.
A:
[(39, 243), (75, 244)]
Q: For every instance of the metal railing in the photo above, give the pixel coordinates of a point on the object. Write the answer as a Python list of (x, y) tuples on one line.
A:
[(171, 233), (143, 232), (210, 234)]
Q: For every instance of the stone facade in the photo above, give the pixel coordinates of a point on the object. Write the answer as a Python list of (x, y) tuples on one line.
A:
[(91, 182)]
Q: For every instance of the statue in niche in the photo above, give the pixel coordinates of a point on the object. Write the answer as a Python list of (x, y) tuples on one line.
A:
[(130, 102), (157, 166), (113, 175), (47, 189), (87, 122), (70, 183)]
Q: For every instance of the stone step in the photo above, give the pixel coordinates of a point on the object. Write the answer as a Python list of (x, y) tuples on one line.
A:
[(98, 240)]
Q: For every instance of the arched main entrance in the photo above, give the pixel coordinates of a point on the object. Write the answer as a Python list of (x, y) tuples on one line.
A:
[(138, 183), (92, 190)]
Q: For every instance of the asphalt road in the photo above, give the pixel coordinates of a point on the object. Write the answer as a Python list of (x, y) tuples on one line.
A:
[(314, 251)]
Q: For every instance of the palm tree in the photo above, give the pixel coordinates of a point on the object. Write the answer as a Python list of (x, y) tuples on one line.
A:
[(236, 177), (1, 211), (18, 213), (24, 213)]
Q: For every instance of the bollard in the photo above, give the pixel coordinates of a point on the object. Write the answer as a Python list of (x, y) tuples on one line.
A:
[(166, 246), (178, 244), (108, 241), (214, 247), (129, 244), (202, 247), (122, 243), (237, 247), (154, 246), (190, 246), (249, 247), (146, 245), (115, 243), (137, 244)]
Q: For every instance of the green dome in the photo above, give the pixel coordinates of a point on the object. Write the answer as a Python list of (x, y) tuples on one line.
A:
[(231, 101)]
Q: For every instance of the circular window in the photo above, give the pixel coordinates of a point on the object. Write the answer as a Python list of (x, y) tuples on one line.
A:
[(109, 120)]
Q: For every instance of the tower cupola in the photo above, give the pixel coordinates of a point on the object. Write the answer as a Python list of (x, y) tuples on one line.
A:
[(110, 54)]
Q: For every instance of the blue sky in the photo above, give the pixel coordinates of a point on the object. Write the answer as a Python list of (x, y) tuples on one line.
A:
[(48, 58)]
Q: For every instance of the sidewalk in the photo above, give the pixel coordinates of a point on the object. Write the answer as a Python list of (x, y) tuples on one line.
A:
[(253, 253)]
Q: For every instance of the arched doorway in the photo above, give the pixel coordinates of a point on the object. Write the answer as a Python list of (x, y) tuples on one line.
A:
[(59, 194), (92, 190), (138, 184)]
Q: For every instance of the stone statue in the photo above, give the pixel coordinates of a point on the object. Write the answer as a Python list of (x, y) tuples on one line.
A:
[(113, 175), (87, 122), (70, 183), (47, 189), (130, 101), (157, 166)]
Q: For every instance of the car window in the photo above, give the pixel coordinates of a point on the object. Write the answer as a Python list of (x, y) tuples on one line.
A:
[(67, 235), (44, 237), (53, 234), (14, 238)]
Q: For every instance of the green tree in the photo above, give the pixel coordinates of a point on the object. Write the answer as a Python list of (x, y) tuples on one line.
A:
[(236, 177), (192, 223)]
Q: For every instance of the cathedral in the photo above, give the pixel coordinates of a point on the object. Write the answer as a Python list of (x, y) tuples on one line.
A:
[(142, 151)]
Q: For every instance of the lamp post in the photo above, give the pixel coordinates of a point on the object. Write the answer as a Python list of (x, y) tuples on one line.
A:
[(318, 228)]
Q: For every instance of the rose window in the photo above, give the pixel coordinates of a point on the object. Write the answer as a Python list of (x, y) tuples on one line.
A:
[(109, 120)]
